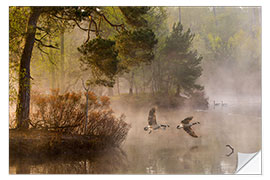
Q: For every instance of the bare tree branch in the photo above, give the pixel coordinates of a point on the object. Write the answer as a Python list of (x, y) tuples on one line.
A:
[(88, 36), (86, 89), (97, 26), (42, 49), (113, 25), (45, 45), (79, 26), (97, 33)]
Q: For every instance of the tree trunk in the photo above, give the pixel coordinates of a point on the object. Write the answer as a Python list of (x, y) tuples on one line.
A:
[(143, 73), (136, 89), (86, 113), (22, 109), (179, 9), (131, 83), (167, 85), (215, 15), (153, 80), (118, 86), (62, 63), (53, 79)]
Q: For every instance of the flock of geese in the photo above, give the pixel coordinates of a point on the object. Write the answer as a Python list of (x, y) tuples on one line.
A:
[(184, 124), (219, 104)]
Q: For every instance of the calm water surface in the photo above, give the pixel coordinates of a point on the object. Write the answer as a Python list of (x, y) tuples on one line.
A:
[(169, 151)]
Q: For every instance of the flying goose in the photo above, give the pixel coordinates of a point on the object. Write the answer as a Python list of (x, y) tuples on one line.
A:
[(186, 125), (152, 122)]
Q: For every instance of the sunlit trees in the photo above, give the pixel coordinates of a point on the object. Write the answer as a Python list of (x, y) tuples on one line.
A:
[(131, 45), (22, 110), (17, 25), (41, 21), (130, 42)]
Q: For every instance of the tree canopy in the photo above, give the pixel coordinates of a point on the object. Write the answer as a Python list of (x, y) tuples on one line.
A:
[(140, 49), (44, 22), (183, 64)]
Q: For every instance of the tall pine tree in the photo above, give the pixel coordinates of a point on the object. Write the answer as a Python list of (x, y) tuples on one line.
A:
[(182, 64)]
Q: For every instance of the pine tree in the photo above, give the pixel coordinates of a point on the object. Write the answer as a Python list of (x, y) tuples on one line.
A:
[(181, 62)]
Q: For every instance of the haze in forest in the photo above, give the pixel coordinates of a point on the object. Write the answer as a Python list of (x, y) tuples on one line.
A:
[(97, 71), (228, 39)]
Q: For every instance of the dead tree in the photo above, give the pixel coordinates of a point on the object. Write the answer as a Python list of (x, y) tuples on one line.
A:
[(86, 106)]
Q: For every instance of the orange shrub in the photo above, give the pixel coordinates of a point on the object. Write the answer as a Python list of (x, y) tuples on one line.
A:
[(66, 113)]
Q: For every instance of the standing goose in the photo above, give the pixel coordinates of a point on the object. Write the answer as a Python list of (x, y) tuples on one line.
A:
[(152, 122), (186, 125)]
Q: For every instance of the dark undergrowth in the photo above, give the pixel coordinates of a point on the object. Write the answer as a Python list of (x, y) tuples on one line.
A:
[(37, 143)]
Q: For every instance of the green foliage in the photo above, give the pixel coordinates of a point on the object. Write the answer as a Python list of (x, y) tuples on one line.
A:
[(229, 39), (130, 47), (136, 47), (247, 53), (178, 41), (12, 89), (183, 64), (18, 17), (101, 57), (221, 50), (135, 15)]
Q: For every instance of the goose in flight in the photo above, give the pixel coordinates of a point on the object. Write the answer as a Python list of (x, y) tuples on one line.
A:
[(186, 125), (152, 122)]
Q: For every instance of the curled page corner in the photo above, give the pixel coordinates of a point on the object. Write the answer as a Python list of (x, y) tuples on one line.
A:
[(249, 163)]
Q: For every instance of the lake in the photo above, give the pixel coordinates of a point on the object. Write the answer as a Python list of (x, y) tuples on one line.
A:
[(169, 151)]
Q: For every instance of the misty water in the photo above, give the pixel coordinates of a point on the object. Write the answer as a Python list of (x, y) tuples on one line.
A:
[(169, 151)]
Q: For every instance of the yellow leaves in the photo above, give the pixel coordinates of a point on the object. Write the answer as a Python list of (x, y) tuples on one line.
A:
[(238, 38), (245, 46), (214, 41)]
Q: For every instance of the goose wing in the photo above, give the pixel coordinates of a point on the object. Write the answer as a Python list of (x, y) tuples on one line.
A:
[(190, 132), (187, 120)]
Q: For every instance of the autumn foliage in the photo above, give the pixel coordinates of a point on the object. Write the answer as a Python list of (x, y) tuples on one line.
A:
[(66, 114)]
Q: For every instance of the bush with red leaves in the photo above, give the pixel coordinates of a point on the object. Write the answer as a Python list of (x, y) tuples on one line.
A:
[(66, 113)]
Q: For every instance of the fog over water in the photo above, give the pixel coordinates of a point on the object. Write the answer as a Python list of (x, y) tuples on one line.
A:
[(172, 151)]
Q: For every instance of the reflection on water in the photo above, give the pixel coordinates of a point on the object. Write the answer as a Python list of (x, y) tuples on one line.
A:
[(106, 162), (169, 151)]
